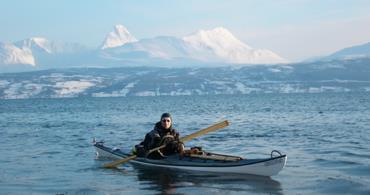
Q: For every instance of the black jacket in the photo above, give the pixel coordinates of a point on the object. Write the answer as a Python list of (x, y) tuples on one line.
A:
[(155, 136)]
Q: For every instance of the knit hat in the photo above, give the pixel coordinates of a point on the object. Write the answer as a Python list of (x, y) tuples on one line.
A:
[(166, 115)]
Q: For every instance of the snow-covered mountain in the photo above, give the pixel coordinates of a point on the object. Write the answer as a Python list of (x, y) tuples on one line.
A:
[(358, 51), (227, 47), (215, 47), (11, 54), (36, 44), (40, 53), (43, 45), (118, 37), (163, 47)]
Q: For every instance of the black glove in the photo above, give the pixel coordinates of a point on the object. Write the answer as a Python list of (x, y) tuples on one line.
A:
[(177, 136)]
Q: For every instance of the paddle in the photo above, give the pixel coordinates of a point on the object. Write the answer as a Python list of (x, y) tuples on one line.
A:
[(183, 139)]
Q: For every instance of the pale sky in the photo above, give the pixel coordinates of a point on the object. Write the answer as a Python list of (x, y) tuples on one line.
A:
[(294, 29)]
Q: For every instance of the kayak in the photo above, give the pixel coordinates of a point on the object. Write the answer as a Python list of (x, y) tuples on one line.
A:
[(207, 162)]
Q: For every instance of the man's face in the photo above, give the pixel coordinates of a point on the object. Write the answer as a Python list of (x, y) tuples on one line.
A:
[(166, 122)]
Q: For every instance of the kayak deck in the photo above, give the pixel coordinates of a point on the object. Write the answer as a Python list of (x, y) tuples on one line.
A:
[(209, 162), (213, 156)]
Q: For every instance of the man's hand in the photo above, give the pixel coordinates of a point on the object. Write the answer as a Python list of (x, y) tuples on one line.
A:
[(177, 136)]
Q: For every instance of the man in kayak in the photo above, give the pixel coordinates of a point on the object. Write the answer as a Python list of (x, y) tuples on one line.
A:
[(162, 133)]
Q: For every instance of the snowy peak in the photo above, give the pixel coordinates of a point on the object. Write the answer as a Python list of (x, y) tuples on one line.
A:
[(226, 46), (39, 44), (217, 39), (11, 54), (118, 37), (37, 51), (42, 45)]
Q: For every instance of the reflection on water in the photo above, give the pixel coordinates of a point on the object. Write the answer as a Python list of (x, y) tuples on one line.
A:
[(169, 181)]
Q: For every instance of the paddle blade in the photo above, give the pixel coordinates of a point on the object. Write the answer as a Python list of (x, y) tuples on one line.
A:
[(125, 160), (118, 162), (205, 131)]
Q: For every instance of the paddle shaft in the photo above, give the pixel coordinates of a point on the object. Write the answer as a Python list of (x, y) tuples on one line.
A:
[(205, 131), (183, 139)]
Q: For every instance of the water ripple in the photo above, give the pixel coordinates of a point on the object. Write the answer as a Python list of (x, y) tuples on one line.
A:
[(47, 143)]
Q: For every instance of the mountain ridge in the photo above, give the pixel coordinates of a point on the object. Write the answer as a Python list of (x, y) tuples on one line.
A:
[(356, 51), (217, 45), (203, 48)]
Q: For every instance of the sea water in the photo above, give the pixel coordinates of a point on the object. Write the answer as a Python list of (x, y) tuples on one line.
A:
[(46, 144)]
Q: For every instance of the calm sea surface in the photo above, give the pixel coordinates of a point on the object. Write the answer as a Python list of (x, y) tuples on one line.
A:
[(46, 143)]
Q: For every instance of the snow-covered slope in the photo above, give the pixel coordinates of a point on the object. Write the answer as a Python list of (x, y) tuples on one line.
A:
[(226, 46), (333, 76), (216, 45), (45, 46), (38, 44), (118, 37), (163, 47), (10, 54)]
